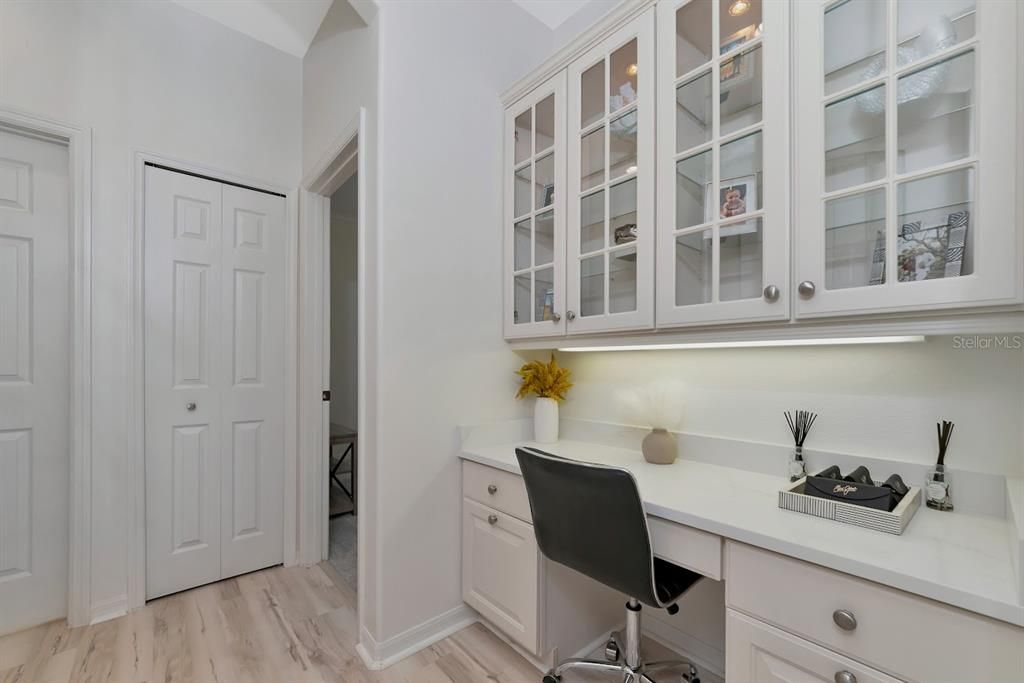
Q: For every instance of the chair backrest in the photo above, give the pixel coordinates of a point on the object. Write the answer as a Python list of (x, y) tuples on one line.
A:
[(590, 517)]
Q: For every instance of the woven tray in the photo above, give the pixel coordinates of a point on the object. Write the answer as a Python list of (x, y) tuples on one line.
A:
[(793, 498)]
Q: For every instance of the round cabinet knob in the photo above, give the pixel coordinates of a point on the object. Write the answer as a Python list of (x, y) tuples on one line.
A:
[(771, 293), (190, 406), (806, 289), (555, 317), (570, 316), (492, 489), (492, 519), (844, 619), (845, 677)]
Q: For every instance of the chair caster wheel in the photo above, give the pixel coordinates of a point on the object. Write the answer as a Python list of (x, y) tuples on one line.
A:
[(611, 650), (691, 676), (548, 678)]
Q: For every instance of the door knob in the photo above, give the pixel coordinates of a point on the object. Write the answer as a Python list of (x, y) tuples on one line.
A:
[(771, 293), (190, 406), (555, 317), (492, 519), (570, 316), (492, 489), (845, 677), (844, 619), (806, 289)]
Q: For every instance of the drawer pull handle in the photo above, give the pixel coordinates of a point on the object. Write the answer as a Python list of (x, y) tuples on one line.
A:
[(492, 519), (844, 619), (492, 489), (845, 677)]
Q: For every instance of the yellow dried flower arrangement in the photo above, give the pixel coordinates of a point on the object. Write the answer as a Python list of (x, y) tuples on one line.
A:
[(545, 380)]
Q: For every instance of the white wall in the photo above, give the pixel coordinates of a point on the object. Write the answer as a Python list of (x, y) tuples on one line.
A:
[(877, 401), (344, 304), (442, 358), (153, 77)]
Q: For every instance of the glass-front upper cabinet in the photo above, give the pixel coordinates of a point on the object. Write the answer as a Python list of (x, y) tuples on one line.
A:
[(610, 195), (723, 161), (534, 220), (906, 134)]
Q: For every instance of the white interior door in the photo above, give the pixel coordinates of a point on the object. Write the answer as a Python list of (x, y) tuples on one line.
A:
[(214, 380), (34, 352)]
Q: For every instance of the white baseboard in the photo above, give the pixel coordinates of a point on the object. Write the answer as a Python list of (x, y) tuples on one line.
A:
[(694, 649), (377, 656), (105, 610)]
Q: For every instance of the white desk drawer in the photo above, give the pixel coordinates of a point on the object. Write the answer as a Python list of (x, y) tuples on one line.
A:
[(908, 636), (687, 547), (496, 488)]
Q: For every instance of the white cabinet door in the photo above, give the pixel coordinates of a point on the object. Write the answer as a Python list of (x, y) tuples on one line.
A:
[(610, 229), (34, 353), (758, 653), (214, 309), (907, 126), (723, 162), (500, 572), (534, 215)]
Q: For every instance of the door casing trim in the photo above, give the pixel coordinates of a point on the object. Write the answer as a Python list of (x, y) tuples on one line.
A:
[(79, 142)]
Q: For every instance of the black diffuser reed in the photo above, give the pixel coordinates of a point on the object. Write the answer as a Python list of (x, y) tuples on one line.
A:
[(944, 430), (800, 423), (938, 490)]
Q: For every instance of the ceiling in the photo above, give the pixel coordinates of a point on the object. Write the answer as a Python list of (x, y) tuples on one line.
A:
[(552, 12), (288, 25)]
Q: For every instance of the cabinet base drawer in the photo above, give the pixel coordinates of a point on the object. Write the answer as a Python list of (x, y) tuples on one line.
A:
[(501, 490), (909, 636), (687, 547)]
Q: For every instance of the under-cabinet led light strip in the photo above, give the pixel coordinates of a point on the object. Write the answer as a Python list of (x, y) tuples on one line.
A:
[(836, 341)]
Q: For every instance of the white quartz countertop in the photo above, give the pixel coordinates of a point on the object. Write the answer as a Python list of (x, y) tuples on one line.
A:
[(959, 559)]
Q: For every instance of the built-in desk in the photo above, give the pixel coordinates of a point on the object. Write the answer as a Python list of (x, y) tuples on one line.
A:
[(939, 602)]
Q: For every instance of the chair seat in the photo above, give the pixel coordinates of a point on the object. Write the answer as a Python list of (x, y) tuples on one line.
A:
[(672, 581)]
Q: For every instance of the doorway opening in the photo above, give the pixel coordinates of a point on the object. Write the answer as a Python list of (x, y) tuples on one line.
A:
[(342, 357)]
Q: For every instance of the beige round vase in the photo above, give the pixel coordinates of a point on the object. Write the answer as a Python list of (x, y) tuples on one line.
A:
[(659, 447)]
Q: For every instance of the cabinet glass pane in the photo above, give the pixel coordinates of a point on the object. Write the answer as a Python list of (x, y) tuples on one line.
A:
[(592, 159), (693, 190), (935, 227), (935, 114), (543, 294), (854, 140), (592, 94), (524, 135), (693, 35), (854, 43), (693, 268), (592, 286), (739, 22), (592, 222), (739, 189), (622, 145), (522, 191), (545, 185), (740, 261), (925, 28), (545, 238), (693, 113), (545, 124), (622, 82), (622, 281), (622, 227), (521, 296), (522, 244), (855, 240), (740, 91)]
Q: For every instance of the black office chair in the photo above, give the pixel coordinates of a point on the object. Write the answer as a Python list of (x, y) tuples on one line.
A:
[(590, 518)]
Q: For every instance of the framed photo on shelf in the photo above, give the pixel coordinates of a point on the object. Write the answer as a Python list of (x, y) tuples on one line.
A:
[(932, 252), (736, 196)]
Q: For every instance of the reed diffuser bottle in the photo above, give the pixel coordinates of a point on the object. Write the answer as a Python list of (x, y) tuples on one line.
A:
[(938, 494), (800, 424)]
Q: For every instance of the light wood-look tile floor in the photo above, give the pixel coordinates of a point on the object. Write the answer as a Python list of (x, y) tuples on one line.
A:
[(279, 625)]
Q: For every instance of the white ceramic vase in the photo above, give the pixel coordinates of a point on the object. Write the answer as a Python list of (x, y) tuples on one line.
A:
[(545, 420)]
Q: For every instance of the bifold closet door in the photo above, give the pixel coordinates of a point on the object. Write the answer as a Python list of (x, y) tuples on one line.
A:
[(34, 362), (214, 302)]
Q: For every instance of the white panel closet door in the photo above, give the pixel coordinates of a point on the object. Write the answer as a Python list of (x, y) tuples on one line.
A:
[(34, 352), (252, 334), (214, 380), (184, 362)]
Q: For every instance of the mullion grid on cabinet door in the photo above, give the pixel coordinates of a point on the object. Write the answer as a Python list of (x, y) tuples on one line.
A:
[(889, 79)]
